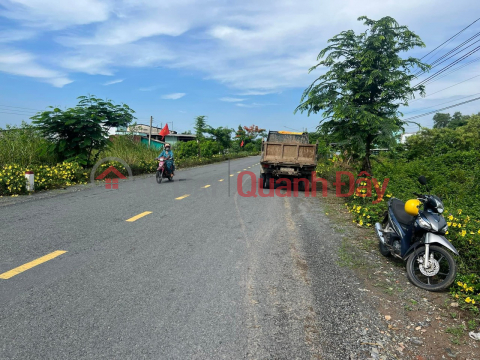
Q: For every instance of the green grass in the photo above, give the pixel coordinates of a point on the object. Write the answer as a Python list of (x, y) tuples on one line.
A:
[(24, 146), (457, 332)]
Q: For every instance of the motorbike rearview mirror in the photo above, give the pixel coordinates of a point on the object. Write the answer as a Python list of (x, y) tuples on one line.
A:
[(422, 180)]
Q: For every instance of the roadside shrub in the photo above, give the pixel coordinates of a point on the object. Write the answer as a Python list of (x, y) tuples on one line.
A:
[(12, 177), (188, 149)]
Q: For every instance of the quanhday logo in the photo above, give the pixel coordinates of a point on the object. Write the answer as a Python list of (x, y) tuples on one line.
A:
[(362, 187)]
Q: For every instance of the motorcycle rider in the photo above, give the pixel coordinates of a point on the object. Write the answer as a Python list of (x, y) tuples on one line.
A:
[(168, 154)]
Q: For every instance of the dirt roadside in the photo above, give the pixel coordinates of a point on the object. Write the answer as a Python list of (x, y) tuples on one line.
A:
[(422, 325)]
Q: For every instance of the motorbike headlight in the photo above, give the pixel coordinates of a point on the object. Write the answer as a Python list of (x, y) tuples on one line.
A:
[(440, 207), (424, 224)]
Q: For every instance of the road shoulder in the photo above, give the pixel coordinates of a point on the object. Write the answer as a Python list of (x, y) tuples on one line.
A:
[(418, 324)]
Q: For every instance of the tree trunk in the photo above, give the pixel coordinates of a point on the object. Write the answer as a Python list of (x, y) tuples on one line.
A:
[(367, 166)]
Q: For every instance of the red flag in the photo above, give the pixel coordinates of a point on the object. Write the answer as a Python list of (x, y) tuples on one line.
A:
[(241, 145), (164, 131)]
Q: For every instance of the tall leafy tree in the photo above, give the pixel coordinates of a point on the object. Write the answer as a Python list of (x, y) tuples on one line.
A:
[(441, 120), (77, 132), (365, 84), (458, 120), (200, 127), (222, 135)]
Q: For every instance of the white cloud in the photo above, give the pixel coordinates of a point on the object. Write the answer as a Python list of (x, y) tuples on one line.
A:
[(15, 35), (149, 88), (24, 64), (173, 96), (253, 47), (55, 14), (229, 99), (253, 105), (113, 82)]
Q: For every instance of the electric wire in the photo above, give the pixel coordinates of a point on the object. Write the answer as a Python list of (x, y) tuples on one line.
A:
[(447, 41), (445, 108), (447, 102)]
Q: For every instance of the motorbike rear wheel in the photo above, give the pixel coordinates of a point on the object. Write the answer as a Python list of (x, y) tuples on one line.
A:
[(158, 177), (439, 278)]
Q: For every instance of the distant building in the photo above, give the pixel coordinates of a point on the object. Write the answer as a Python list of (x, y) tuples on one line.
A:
[(404, 137), (142, 131)]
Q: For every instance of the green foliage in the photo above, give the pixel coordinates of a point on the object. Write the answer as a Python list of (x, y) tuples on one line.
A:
[(250, 147), (25, 146), (208, 148), (200, 127), (366, 82), (442, 141), (76, 132), (187, 149), (441, 121), (125, 147), (12, 179), (222, 135)]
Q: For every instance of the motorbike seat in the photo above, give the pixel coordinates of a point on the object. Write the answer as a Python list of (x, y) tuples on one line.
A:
[(398, 209)]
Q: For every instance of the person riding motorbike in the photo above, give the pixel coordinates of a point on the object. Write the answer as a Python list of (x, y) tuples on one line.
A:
[(168, 154)]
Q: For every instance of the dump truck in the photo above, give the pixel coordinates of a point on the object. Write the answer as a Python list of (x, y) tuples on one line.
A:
[(289, 155)]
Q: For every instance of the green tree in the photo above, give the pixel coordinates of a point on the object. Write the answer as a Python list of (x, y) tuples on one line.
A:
[(222, 135), (208, 148), (458, 120), (365, 84), (77, 132), (186, 149), (441, 120), (200, 127)]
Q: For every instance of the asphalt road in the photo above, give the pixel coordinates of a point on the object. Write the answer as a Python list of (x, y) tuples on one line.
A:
[(211, 275)]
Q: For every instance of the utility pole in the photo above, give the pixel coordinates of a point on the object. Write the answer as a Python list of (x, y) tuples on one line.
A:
[(150, 132)]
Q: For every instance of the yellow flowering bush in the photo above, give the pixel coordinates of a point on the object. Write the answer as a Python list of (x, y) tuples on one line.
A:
[(13, 182)]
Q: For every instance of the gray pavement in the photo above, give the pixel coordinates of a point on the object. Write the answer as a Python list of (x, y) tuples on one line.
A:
[(212, 275)]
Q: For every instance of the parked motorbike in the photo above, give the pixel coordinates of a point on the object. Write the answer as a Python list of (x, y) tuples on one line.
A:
[(417, 237), (162, 172)]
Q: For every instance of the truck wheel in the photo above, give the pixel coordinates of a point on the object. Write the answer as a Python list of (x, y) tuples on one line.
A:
[(262, 180), (301, 186), (266, 181)]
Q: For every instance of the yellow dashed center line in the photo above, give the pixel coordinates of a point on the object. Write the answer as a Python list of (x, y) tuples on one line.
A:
[(206, 186), (182, 197), (31, 264), (139, 216), (238, 172), (220, 180), (244, 169), (231, 175)]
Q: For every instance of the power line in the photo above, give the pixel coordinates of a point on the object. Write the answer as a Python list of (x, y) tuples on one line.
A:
[(447, 102), (447, 41), (445, 108), (449, 57), (18, 107), (11, 113), (431, 77), (456, 69), (420, 72), (436, 92)]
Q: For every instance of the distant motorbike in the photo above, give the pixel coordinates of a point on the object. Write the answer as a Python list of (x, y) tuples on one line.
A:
[(162, 172), (417, 236)]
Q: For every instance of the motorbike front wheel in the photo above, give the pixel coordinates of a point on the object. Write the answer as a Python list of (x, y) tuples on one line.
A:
[(384, 250), (439, 276), (158, 176)]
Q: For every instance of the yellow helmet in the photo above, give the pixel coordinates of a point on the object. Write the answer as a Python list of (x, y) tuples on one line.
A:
[(411, 207)]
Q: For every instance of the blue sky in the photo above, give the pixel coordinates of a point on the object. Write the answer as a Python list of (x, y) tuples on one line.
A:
[(237, 62)]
